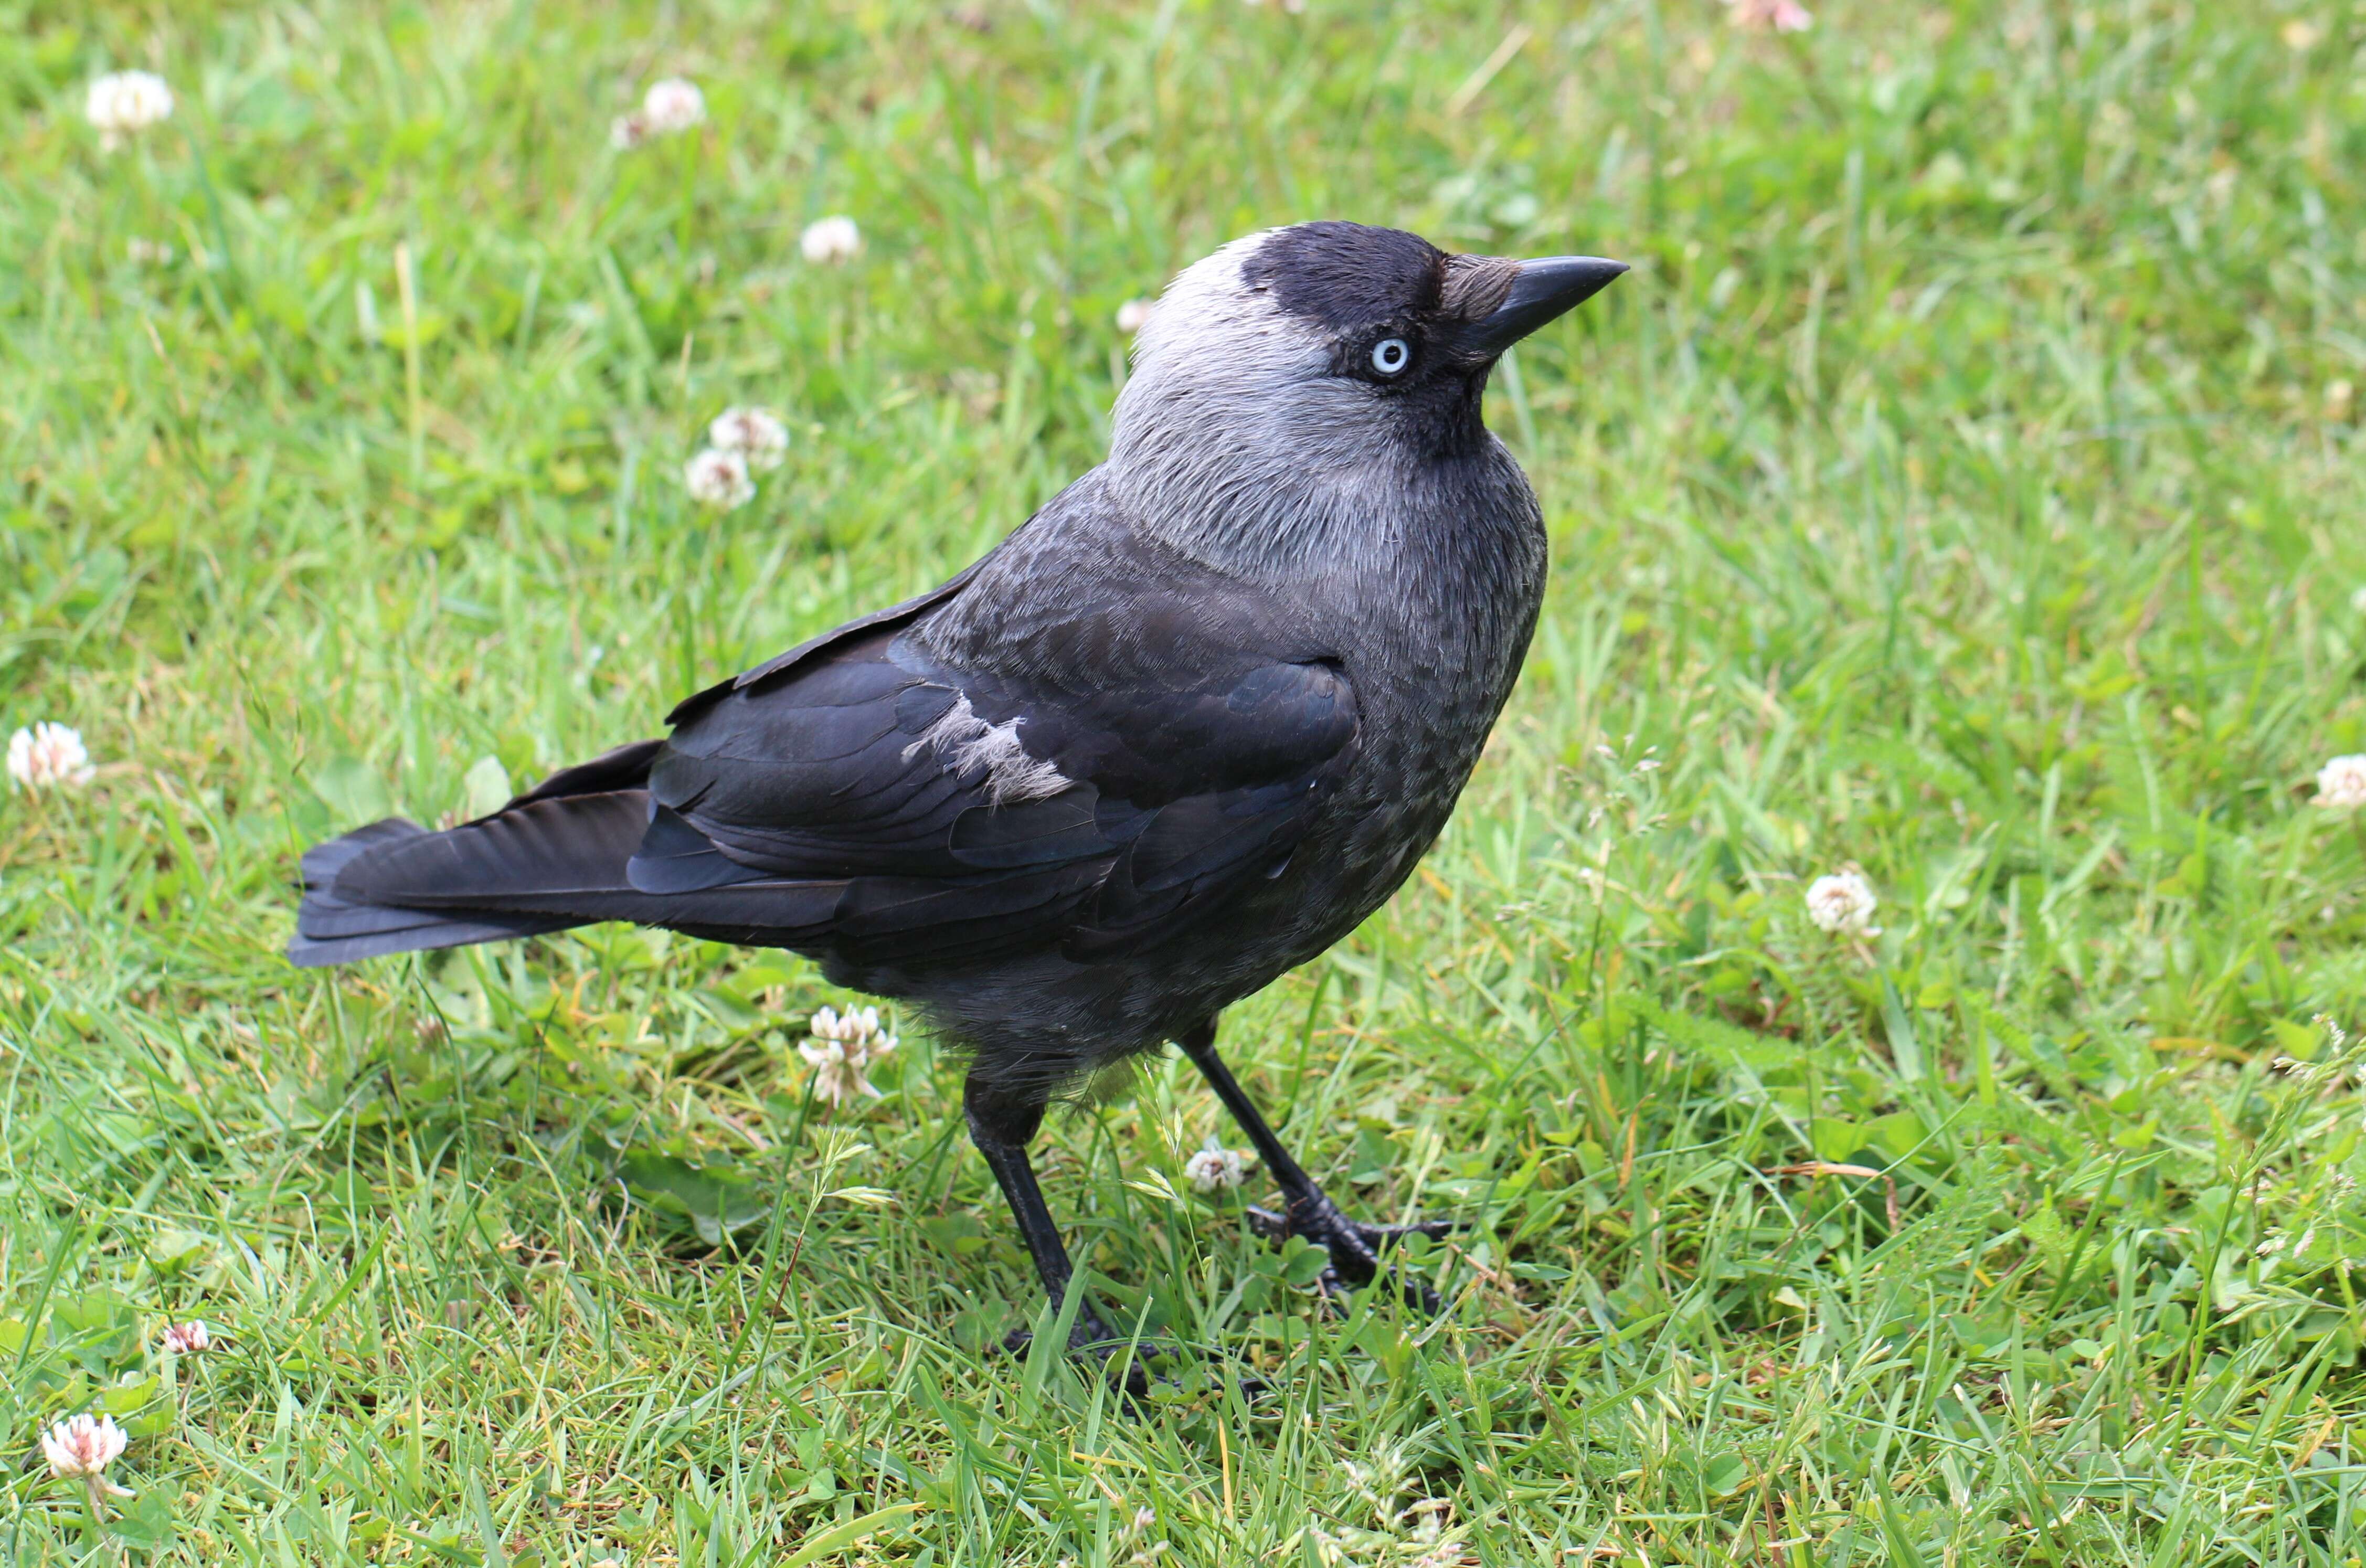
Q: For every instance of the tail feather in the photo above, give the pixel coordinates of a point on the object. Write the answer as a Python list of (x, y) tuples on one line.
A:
[(541, 863), (333, 928), (321, 863), (393, 886), (572, 845), (309, 953)]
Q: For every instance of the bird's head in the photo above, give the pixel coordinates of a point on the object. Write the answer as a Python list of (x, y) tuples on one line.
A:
[(1304, 372)]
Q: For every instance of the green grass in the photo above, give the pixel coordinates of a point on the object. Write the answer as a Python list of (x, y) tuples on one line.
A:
[(1966, 485)]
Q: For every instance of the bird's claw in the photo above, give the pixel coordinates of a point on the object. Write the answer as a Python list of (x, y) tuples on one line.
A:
[(1357, 1249), (1088, 1331), (1133, 1367)]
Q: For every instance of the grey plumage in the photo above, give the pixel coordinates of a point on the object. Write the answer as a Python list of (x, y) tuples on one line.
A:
[(1181, 731)]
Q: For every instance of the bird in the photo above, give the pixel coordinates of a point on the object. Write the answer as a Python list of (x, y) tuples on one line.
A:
[(1182, 730)]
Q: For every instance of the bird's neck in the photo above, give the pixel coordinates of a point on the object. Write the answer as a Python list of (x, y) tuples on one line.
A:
[(1428, 534)]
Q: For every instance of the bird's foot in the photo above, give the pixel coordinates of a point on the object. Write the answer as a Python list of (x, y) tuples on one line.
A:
[(1089, 1335), (1133, 1367), (1357, 1249)]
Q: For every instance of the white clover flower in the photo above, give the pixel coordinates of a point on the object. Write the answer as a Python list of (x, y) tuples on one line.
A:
[(83, 1446), (757, 434), (123, 103), (672, 104), (1213, 1167), (48, 755), (843, 1047), (1133, 315), (189, 1338), (1771, 16), (628, 131), (719, 478), (1841, 902), (2341, 783), (828, 241)]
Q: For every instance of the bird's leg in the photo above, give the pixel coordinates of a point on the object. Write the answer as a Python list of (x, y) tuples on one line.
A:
[(1307, 1209), (1000, 1124)]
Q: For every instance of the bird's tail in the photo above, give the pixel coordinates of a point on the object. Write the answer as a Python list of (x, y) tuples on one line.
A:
[(550, 859)]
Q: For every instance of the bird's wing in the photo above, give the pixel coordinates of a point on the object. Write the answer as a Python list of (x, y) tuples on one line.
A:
[(783, 666), (1148, 761)]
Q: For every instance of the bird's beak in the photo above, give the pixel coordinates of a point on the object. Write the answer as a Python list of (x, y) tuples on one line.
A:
[(1544, 289)]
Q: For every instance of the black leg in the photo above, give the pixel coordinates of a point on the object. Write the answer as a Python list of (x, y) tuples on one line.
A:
[(1001, 1126), (1307, 1209)]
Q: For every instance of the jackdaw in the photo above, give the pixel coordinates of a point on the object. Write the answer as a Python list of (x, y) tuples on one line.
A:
[(1182, 730)]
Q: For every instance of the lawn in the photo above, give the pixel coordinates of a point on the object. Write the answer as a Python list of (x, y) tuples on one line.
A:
[(1965, 488)]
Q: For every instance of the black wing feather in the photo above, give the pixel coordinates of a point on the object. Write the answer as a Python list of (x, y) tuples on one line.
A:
[(813, 803), (1186, 776)]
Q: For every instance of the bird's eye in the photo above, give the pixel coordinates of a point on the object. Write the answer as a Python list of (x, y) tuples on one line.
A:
[(1392, 355)]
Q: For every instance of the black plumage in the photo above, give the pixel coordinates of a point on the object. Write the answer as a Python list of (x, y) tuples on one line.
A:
[(1182, 730)]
